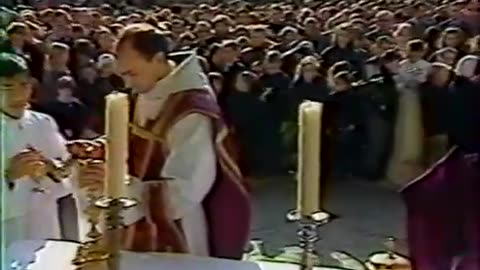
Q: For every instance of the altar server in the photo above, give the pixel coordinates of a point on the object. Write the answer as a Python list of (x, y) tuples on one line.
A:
[(178, 132), (30, 145)]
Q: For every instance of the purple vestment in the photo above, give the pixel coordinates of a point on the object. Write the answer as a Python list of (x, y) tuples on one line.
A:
[(443, 207), (227, 205)]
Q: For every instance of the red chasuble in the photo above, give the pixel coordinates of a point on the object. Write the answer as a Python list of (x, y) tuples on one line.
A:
[(443, 209), (227, 205)]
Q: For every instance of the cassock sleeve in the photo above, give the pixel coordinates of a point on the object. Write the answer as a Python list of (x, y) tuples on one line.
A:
[(54, 141), (191, 163), (54, 148)]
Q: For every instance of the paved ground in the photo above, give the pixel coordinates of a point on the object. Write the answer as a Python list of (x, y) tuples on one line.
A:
[(367, 214)]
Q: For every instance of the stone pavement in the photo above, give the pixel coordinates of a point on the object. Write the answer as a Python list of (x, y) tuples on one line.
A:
[(367, 215)]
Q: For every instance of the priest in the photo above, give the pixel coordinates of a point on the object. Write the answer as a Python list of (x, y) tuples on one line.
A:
[(193, 195)]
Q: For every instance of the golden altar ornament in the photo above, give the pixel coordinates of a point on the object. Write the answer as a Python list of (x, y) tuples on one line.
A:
[(384, 260), (114, 208), (92, 250), (115, 154), (388, 260), (101, 249)]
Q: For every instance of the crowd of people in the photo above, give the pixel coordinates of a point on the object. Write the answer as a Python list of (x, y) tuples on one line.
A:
[(402, 76)]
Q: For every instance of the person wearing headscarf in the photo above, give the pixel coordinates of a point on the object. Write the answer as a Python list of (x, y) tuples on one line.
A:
[(406, 161), (381, 96), (469, 67)]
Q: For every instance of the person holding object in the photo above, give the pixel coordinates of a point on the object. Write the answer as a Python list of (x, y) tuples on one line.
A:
[(32, 182), (178, 133)]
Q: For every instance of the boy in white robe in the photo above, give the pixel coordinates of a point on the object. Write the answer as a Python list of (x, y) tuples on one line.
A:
[(30, 145)]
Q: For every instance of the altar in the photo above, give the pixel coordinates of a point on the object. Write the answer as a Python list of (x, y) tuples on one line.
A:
[(106, 208), (58, 255)]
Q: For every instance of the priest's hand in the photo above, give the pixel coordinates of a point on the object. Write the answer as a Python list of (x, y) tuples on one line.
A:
[(29, 162), (87, 149), (91, 176)]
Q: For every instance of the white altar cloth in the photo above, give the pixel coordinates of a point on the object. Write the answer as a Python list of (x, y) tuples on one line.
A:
[(57, 255)]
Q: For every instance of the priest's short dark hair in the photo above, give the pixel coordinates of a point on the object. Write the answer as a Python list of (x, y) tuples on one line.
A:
[(144, 38)]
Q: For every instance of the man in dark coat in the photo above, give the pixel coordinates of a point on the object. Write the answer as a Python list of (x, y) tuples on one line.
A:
[(381, 108), (349, 126)]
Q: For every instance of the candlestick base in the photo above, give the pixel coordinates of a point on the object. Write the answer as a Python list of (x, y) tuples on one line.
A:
[(304, 253), (88, 253), (114, 222), (320, 217), (92, 250), (308, 235)]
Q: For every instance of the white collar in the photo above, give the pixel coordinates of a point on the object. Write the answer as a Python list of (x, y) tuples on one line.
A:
[(187, 75), (20, 122)]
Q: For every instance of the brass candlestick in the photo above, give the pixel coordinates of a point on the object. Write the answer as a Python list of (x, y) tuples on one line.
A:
[(303, 254), (114, 221), (92, 250), (308, 235)]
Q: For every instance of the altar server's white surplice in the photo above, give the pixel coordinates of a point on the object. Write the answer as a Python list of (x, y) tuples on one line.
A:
[(26, 214)]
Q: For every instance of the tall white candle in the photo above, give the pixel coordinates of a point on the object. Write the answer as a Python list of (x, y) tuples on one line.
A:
[(116, 130), (309, 149)]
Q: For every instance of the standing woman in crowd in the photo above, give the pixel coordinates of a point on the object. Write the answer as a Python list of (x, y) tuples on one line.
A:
[(402, 35), (469, 67), (252, 122), (105, 40), (275, 84), (435, 106), (308, 84), (348, 126), (82, 56), (464, 97), (105, 83), (454, 37), (382, 105), (447, 55), (406, 162), (67, 110), (342, 49), (431, 36)]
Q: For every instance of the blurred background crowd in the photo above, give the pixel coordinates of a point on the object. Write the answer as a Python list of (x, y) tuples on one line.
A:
[(402, 77)]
